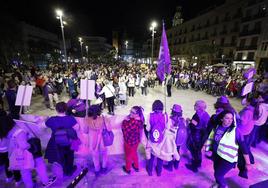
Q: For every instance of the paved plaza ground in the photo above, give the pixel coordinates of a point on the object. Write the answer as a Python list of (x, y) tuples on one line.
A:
[(182, 177)]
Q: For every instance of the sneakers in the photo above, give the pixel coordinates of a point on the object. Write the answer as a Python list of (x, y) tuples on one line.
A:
[(191, 167), (104, 170), (8, 180), (17, 183), (136, 169), (50, 182), (168, 168), (125, 170), (97, 174), (243, 174), (149, 173)]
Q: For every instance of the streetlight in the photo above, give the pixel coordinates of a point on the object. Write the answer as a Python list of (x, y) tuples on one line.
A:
[(81, 45), (87, 53), (126, 44), (152, 28), (59, 14)]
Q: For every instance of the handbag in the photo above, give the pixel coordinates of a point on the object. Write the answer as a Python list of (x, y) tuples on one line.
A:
[(108, 136), (35, 144)]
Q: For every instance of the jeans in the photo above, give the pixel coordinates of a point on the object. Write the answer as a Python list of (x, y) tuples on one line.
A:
[(41, 170), (131, 156), (9, 174), (96, 155), (110, 103), (169, 90), (221, 168), (52, 97), (159, 165), (131, 91), (195, 147), (67, 159), (144, 90)]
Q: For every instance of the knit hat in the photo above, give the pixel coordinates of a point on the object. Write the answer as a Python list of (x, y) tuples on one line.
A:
[(176, 108), (223, 100)]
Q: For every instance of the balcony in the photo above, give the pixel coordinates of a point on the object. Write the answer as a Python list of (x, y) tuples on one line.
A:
[(213, 34), (254, 17), (223, 32), (252, 32), (235, 30), (252, 2), (237, 15), (246, 19), (242, 48)]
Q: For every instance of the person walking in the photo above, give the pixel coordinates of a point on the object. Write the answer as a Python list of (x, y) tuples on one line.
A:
[(109, 93), (197, 129), (224, 142), (58, 151)]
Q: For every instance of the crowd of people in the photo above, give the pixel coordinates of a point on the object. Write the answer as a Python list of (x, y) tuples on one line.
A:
[(227, 135)]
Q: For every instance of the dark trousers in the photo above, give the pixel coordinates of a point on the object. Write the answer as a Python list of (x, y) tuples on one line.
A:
[(122, 102), (254, 136), (174, 162), (131, 91), (110, 103), (169, 90), (5, 161), (159, 165), (249, 139), (144, 90), (195, 147), (66, 159), (221, 168)]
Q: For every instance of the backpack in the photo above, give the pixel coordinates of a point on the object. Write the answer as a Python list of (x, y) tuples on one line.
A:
[(181, 133), (145, 83), (158, 124), (62, 137)]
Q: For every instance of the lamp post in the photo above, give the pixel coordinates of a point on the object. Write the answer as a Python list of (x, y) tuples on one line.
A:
[(126, 44), (87, 53), (152, 28), (59, 14), (81, 45)]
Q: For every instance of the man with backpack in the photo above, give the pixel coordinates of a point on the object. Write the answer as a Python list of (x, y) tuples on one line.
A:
[(59, 151)]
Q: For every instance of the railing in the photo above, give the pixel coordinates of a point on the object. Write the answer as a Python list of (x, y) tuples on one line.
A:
[(252, 32), (252, 47)]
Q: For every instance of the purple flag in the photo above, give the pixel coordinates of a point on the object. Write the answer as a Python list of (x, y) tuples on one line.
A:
[(164, 64)]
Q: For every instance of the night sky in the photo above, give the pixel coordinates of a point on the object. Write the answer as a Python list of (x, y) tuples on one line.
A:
[(99, 17)]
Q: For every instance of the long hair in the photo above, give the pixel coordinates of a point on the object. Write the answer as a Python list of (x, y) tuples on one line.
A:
[(139, 111), (157, 106), (6, 124), (94, 111)]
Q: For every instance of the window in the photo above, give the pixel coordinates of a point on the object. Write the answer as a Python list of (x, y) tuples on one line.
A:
[(257, 26), (233, 40), (245, 28), (216, 20), (250, 55), (242, 42), (222, 41), (239, 56), (248, 13), (254, 41)]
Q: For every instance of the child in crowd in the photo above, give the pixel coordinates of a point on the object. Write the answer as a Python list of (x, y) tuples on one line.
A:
[(132, 128)]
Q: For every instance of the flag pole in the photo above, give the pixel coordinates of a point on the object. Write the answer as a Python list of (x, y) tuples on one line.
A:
[(165, 81)]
